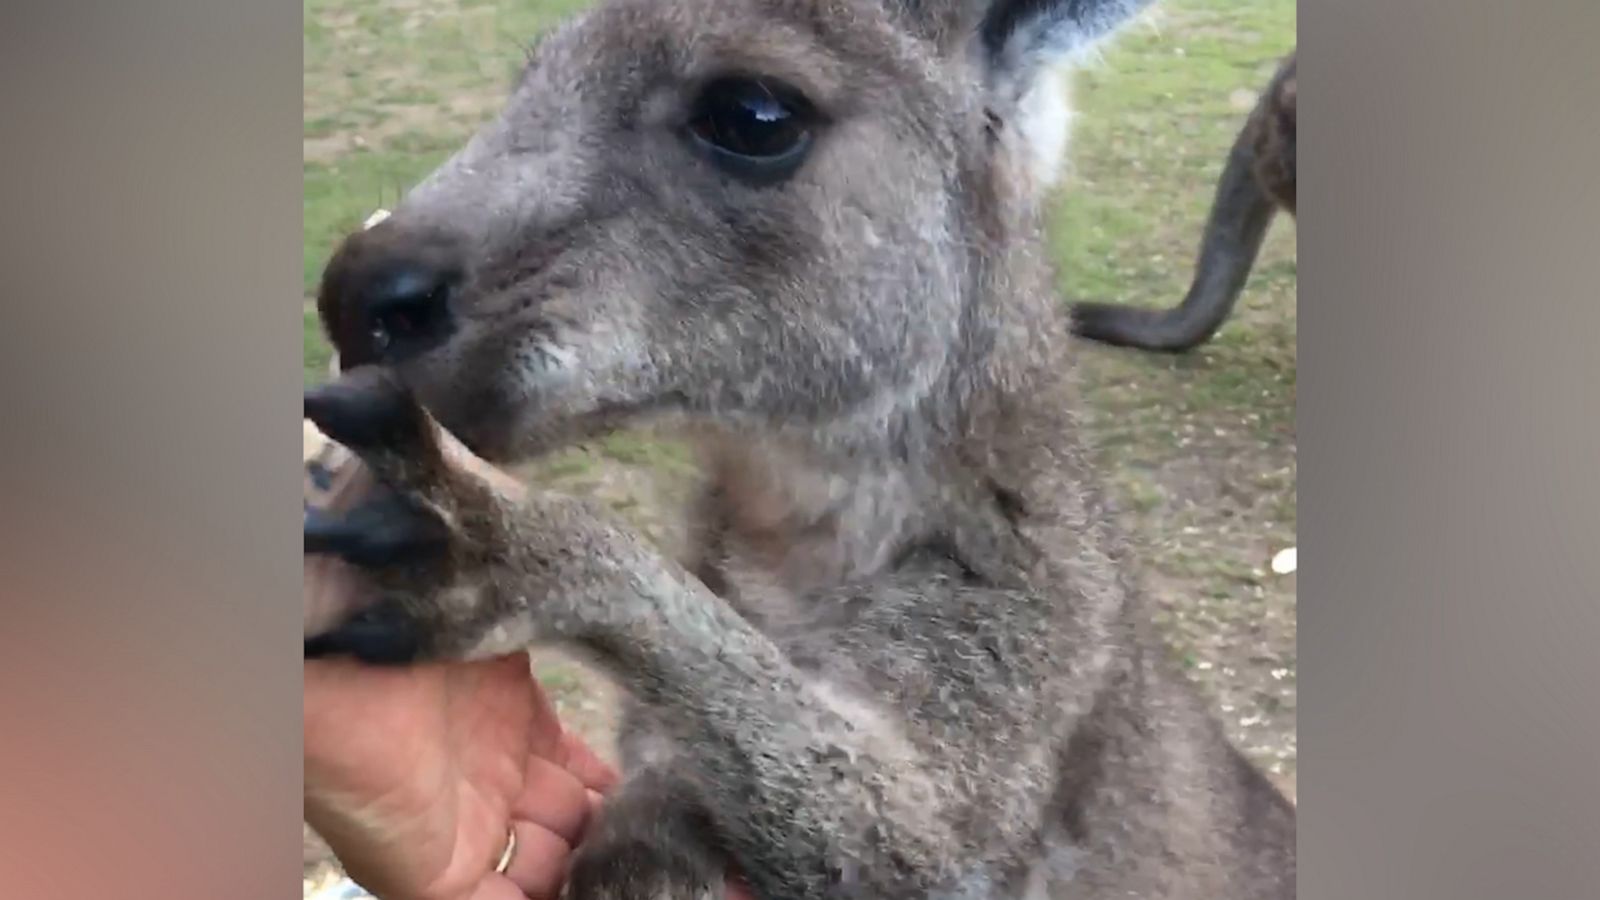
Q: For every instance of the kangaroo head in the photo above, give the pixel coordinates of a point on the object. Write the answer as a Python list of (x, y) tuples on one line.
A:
[(763, 214)]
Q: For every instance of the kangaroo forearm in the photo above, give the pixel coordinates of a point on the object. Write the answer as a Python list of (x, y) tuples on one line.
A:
[(789, 777), (792, 777)]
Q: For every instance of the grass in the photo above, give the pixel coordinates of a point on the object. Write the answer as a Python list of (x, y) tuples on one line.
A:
[(317, 353), (1200, 449), (1156, 122)]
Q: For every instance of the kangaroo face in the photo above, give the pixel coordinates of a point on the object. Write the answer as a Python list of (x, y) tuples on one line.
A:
[(673, 191), (765, 213)]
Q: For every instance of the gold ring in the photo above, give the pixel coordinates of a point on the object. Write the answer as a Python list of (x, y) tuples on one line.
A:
[(510, 851)]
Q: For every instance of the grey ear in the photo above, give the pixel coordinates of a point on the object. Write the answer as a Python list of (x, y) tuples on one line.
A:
[(1020, 38), (1016, 39)]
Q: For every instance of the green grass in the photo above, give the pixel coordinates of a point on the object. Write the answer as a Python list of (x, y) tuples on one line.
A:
[(391, 73), (317, 354), (1154, 128)]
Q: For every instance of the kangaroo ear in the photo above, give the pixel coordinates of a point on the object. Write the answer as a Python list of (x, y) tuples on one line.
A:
[(1019, 39), (1025, 35)]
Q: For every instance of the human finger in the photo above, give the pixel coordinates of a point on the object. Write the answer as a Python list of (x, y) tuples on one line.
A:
[(539, 863), (553, 798), (576, 757), (497, 887)]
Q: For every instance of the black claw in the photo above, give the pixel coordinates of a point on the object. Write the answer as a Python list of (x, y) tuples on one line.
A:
[(324, 532), (383, 635), (367, 409), (321, 478), (385, 532)]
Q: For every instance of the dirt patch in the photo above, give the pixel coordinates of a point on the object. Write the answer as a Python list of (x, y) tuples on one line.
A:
[(1229, 620)]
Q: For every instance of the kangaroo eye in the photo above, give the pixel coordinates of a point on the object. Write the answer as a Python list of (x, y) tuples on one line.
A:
[(757, 129)]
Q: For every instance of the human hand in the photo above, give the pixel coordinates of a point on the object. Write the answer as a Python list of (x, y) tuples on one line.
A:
[(414, 775)]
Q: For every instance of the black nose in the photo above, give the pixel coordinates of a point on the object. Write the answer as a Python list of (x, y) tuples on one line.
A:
[(407, 308), (387, 295)]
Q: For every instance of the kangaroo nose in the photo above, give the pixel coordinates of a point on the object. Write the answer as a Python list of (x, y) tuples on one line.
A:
[(408, 308), (386, 295)]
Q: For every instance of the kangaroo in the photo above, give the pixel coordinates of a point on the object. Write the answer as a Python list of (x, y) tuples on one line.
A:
[(907, 656), (1257, 180)]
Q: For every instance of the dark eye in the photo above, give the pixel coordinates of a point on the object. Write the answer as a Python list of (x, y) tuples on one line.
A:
[(758, 129)]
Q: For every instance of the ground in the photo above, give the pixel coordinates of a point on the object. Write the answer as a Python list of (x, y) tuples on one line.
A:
[(1200, 450)]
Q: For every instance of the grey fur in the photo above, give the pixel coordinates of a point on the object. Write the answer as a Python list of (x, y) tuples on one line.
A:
[(908, 658)]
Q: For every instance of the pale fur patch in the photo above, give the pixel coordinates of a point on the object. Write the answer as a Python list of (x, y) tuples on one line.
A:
[(510, 634), (556, 357), (864, 717), (1044, 121), (1057, 866), (1045, 114), (581, 362)]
